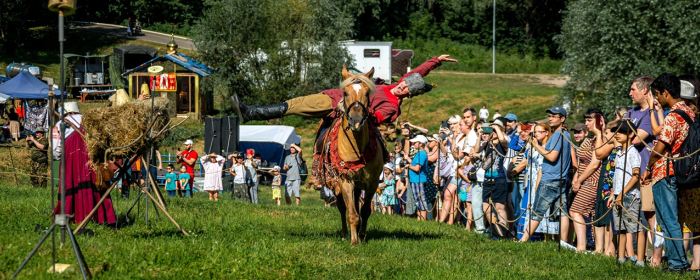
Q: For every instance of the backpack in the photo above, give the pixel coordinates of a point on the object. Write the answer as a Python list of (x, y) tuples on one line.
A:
[(687, 170)]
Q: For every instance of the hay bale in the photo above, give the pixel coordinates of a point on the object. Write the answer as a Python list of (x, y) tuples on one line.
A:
[(119, 126)]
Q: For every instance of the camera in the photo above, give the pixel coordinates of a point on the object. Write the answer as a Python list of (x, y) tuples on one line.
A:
[(525, 127)]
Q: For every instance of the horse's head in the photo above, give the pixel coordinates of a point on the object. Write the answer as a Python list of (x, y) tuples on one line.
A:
[(357, 88)]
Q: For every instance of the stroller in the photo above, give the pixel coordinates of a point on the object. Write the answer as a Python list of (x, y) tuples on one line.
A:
[(137, 30)]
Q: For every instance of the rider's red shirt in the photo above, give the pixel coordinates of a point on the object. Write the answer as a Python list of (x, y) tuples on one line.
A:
[(387, 107)]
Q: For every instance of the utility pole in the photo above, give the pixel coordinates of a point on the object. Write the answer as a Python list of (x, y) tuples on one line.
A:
[(493, 42)]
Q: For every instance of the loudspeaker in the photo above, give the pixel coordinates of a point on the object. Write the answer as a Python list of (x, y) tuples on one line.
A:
[(212, 135), (230, 137), (230, 134)]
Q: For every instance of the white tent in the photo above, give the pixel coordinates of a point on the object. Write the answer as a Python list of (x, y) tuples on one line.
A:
[(279, 134)]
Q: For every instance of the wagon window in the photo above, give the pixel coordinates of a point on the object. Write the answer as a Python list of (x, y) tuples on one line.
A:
[(371, 52)]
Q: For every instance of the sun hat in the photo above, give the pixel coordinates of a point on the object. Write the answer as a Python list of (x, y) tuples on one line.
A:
[(71, 107), (420, 138), (687, 90)]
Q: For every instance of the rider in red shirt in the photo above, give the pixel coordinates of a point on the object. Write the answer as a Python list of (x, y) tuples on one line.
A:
[(386, 101)]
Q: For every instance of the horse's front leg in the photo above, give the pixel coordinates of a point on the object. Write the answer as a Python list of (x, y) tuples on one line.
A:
[(340, 203), (366, 211), (351, 199)]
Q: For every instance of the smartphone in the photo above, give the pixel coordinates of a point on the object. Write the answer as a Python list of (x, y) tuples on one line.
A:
[(445, 124), (487, 130), (599, 121), (525, 127), (178, 149), (249, 153)]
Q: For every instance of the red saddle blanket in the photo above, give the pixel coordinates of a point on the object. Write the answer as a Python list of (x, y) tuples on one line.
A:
[(328, 166)]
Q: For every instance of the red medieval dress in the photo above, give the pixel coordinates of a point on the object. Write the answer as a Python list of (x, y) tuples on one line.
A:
[(81, 194)]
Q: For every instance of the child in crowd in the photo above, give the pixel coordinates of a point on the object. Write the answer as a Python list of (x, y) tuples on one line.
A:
[(626, 194), (465, 189), (184, 182), (213, 164), (276, 183), (170, 180), (388, 196)]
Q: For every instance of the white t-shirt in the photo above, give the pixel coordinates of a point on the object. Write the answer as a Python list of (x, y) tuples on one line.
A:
[(483, 113), (634, 160), (472, 140), (240, 174)]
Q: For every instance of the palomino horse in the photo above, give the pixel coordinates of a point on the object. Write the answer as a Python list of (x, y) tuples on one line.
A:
[(354, 139)]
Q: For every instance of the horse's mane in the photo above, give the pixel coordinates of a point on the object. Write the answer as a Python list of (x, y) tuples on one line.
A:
[(362, 78)]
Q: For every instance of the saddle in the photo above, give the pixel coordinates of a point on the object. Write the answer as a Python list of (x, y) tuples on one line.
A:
[(328, 166)]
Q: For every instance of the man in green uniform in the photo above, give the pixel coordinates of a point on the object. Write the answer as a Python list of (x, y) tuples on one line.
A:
[(38, 146)]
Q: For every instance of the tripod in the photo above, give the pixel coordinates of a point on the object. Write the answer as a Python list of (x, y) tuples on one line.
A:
[(143, 190), (61, 220)]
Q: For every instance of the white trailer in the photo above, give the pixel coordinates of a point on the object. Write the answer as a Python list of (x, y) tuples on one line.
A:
[(371, 54)]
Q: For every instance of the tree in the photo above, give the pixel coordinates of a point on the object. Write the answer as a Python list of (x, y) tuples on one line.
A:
[(14, 23), (268, 51), (606, 44)]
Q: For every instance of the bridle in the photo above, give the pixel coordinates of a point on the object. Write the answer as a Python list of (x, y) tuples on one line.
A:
[(365, 108)]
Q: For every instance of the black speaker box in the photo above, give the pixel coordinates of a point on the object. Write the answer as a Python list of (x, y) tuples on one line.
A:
[(230, 134), (212, 135)]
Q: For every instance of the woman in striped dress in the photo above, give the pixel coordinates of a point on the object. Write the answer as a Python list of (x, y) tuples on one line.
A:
[(585, 183)]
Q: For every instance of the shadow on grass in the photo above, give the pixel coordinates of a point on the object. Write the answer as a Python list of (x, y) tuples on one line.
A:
[(371, 235)]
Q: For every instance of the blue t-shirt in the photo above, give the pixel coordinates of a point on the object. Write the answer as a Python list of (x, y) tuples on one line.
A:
[(643, 121), (170, 180), (184, 180), (421, 177), (559, 169)]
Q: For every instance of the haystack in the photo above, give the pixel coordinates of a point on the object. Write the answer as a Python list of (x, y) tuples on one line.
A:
[(121, 131)]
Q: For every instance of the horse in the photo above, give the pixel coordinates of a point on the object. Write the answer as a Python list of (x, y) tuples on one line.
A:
[(360, 151)]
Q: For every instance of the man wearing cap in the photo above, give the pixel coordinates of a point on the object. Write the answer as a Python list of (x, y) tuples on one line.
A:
[(293, 182), (386, 101), (580, 133), (418, 175), (38, 145), (552, 189), (188, 157)]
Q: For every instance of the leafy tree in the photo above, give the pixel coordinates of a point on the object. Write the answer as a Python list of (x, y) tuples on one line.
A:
[(606, 44), (14, 23), (269, 50)]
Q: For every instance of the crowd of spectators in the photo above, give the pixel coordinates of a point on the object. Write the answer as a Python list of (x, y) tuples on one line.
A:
[(597, 189)]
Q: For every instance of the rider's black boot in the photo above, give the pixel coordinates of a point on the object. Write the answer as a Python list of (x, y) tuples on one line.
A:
[(257, 113)]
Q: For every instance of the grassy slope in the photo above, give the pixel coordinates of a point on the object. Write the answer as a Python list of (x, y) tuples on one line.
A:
[(235, 240)]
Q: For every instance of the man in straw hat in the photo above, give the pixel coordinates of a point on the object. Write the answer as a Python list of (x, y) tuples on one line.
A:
[(81, 194), (385, 102), (38, 145)]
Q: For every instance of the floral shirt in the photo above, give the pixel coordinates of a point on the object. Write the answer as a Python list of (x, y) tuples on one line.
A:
[(607, 174), (674, 132)]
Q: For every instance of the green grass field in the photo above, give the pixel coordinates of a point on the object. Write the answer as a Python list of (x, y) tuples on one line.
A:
[(234, 240)]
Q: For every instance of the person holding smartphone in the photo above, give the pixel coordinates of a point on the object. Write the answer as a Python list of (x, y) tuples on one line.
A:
[(293, 182)]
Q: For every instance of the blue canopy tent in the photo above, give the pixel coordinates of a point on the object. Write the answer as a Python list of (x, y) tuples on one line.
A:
[(26, 86)]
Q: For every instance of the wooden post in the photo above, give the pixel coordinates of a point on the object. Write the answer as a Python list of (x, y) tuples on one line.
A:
[(196, 96)]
